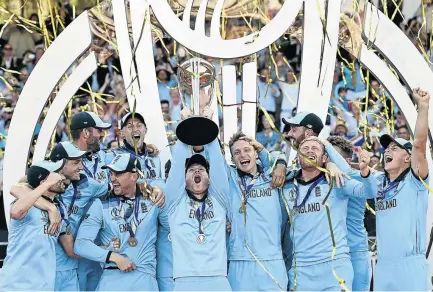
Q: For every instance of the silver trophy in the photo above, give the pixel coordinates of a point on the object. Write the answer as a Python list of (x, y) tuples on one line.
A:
[(197, 78)]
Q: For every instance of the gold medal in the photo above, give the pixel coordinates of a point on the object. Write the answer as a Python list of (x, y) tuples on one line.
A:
[(201, 238), (243, 207), (132, 241)]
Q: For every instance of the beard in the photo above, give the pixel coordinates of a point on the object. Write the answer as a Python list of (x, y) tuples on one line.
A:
[(93, 146), (59, 188), (297, 142)]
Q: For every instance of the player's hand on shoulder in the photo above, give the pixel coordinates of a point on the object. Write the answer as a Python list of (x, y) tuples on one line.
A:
[(152, 150), (335, 173), (55, 220), (157, 197), (278, 176)]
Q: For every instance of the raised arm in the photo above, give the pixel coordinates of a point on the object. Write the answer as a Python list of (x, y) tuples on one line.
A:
[(276, 159), (24, 203), (218, 175), (419, 162), (366, 189), (20, 190), (336, 158), (218, 178), (176, 179)]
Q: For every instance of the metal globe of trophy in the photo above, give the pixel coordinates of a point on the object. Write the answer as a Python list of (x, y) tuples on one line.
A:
[(194, 75)]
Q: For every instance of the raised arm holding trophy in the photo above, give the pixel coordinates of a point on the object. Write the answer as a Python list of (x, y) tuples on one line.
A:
[(197, 77)]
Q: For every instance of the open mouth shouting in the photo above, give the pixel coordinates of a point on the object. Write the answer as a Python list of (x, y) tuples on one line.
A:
[(388, 158), (197, 178), (136, 138), (245, 162), (312, 157)]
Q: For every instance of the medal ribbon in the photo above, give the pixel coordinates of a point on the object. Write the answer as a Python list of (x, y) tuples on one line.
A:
[(62, 211), (132, 227), (310, 189), (74, 197), (245, 189), (390, 187), (200, 215), (95, 168)]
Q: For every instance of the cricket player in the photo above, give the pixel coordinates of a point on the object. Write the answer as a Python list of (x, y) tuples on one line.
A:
[(401, 208), (357, 237), (164, 252), (130, 215), (31, 255), (133, 130), (255, 253), (197, 195), (305, 125), (77, 196), (313, 234), (86, 131)]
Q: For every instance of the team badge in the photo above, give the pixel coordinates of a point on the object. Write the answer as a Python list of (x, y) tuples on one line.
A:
[(318, 193), (380, 193), (292, 195), (143, 207), (115, 213), (68, 230), (201, 238)]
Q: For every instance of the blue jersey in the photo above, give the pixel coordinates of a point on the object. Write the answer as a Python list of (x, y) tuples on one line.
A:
[(93, 166), (31, 256), (310, 230), (357, 236), (261, 234), (150, 165), (116, 216), (76, 198), (401, 215), (164, 252), (195, 252)]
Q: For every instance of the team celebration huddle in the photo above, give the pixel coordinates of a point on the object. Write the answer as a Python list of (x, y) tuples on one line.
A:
[(89, 219)]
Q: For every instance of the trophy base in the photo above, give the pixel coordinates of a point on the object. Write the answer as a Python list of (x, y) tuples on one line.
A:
[(197, 131)]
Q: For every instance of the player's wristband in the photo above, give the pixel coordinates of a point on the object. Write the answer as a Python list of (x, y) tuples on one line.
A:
[(107, 260), (281, 161), (369, 172)]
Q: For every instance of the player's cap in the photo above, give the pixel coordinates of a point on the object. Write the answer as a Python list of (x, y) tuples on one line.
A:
[(308, 120), (128, 116), (196, 159), (83, 120), (122, 163), (386, 139), (66, 150), (40, 170)]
